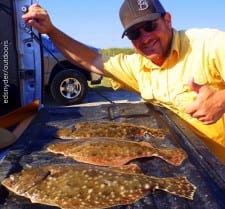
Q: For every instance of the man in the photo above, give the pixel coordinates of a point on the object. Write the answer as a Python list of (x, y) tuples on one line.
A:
[(183, 71)]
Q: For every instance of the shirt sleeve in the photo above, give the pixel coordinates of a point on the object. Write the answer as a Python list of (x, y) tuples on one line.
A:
[(120, 69), (217, 54)]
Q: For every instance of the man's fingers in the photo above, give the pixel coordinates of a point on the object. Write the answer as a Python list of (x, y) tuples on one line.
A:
[(38, 18), (192, 108), (34, 12), (34, 23)]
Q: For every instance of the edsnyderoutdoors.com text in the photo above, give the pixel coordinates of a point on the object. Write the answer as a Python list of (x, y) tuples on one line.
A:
[(5, 72)]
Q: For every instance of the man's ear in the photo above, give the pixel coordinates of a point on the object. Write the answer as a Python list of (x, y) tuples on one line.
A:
[(167, 18)]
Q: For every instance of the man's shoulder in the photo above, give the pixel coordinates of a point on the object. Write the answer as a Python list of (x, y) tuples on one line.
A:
[(203, 32)]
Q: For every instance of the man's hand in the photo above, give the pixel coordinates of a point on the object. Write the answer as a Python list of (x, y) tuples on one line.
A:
[(209, 105), (38, 18)]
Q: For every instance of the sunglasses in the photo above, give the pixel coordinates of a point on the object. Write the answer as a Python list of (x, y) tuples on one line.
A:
[(134, 34)]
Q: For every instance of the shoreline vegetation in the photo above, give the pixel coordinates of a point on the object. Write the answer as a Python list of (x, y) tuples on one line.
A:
[(115, 51)]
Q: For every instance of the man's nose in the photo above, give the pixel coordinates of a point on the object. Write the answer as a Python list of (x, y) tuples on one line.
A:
[(144, 36)]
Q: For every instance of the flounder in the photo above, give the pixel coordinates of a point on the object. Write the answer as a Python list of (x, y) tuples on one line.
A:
[(85, 186), (108, 129), (112, 152)]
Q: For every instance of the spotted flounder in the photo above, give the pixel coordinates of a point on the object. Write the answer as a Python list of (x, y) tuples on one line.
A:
[(84, 186), (108, 129), (112, 152)]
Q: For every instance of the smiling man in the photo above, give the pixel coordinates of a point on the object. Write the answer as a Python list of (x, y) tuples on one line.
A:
[(183, 71)]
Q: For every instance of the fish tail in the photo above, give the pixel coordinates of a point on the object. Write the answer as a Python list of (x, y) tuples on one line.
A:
[(63, 133), (179, 186), (172, 156)]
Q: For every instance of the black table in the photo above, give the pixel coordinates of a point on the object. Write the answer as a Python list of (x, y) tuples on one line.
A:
[(201, 167)]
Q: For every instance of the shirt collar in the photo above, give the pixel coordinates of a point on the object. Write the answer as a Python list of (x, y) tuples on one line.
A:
[(175, 48), (174, 53)]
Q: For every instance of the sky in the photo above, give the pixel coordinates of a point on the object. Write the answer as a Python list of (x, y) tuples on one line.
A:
[(97, 23)]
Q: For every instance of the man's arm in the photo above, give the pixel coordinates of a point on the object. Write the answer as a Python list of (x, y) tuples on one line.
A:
[(73, 50)]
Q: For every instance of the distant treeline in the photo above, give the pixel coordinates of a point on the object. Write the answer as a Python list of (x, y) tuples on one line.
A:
[(115, 51)]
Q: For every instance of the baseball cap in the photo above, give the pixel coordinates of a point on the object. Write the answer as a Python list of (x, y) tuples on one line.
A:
[(137, 11)]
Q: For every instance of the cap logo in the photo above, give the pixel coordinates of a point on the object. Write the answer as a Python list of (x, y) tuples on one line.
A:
[(142, 4)]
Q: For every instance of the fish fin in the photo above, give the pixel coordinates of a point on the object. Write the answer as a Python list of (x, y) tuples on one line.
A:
[(179, 186), (63, 133), (147, 144), (156, 133), (173, 156), (128, 168)]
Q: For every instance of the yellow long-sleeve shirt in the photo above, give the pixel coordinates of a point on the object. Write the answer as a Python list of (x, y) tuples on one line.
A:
[(195, 53)]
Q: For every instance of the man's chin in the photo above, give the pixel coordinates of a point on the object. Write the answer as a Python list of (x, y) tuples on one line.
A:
[(152, 56)]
